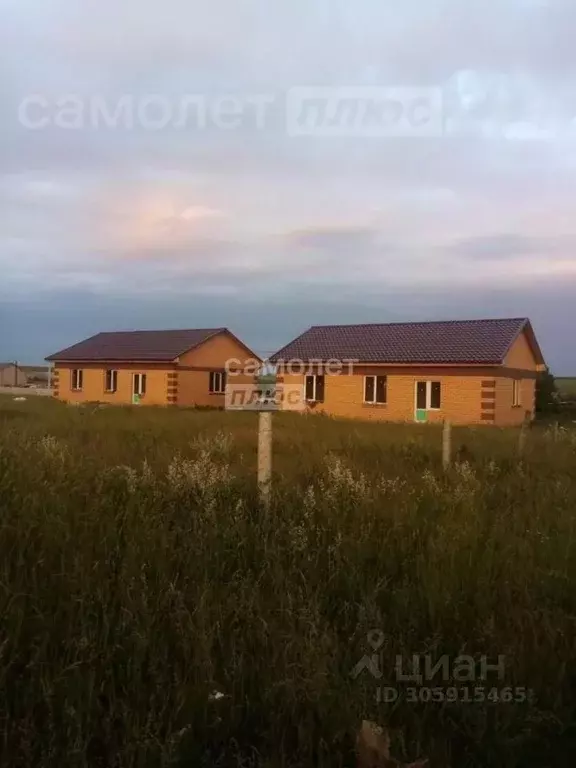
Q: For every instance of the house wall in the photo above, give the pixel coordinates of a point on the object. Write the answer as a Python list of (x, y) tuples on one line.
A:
[(216, 351), (11, 376), (520, 358), (94, 380), (468, 396), (344, 394), (508, 414), (193, 371), (520, 355)]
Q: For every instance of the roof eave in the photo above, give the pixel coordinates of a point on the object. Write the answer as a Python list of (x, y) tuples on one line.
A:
[(391, 363)]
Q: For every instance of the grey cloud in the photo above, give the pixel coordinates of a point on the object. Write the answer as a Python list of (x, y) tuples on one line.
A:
[(32, 329), (334, 239), (513, 246), (496, 247), (506, 70)]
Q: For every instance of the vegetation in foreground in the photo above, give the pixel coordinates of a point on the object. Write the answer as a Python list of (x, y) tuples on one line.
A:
[(153, 614), (566, 387)]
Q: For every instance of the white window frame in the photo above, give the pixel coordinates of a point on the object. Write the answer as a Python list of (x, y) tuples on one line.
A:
[(516, 393), (77, 379), (314, 376), (113, 380), (139, 390), (428, 394), (219, 379), (375, 401)]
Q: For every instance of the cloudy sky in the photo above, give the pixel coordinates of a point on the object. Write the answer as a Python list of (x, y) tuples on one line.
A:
[(153, 173)]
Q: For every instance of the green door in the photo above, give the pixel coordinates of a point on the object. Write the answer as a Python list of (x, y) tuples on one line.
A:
[(421, 413)]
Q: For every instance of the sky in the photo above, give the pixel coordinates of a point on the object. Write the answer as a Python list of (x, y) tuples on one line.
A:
[(166, 165)]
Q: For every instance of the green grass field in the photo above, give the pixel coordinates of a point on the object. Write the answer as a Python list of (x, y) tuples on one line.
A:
[(139, 575), (566, 386)]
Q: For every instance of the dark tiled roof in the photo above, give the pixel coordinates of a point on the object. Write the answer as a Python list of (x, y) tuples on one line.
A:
[(452, 341), (136, 345)]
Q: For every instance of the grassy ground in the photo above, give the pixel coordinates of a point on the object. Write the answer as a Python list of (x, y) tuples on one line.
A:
[(566, 386), (138, 575)]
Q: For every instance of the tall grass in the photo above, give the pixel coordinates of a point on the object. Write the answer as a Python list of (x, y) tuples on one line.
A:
[(153, 614)]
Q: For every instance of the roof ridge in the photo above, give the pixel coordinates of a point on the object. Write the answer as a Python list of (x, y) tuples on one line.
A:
[(421, 322), (165, 330)]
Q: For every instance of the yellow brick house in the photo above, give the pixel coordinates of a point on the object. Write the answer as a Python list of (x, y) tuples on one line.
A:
[(469, 372), (174, 367)]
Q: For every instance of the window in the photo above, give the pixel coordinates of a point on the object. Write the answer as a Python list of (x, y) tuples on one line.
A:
[(435, 395), (516, 393), (428, 395), (77, 379), (217, 384), (315, 389), (111, 381), (375, 389), (139, 384)]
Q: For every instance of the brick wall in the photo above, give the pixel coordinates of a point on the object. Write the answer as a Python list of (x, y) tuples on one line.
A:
[(195, 366), (520, 358), (344, 394), (520, 355), (466, 398), (94, 383), (506, 413)]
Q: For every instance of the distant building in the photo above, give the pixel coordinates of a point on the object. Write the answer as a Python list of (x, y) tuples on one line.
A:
[(11, 375), (36, 375)]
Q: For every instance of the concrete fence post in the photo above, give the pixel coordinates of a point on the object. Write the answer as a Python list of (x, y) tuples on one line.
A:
[(446, 444), (265, 456), (522, 437)]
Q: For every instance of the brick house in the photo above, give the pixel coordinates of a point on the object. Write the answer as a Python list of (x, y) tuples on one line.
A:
[(11, 375), (470, 372), (186, 367)]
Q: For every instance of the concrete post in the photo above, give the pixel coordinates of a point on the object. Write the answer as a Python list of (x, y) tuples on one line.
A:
[(447, 444), (265, 455)]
